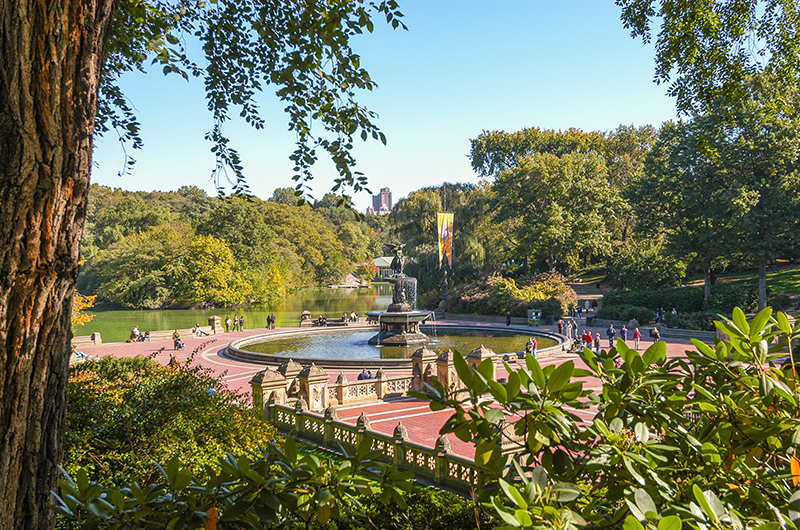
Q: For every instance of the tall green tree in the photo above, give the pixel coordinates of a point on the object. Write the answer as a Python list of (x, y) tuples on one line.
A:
[(555, 207), (689, 194), (763, 156), (54, 58), (493, 152), (707, 51)]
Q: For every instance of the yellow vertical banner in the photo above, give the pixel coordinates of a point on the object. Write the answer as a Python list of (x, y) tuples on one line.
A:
[(445, 223)]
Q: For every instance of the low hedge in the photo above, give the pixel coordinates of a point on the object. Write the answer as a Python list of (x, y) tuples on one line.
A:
[(689, 299), (697, 321), (626, 312)]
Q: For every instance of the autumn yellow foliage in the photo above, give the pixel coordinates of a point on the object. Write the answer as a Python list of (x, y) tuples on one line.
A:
[(80, 304)]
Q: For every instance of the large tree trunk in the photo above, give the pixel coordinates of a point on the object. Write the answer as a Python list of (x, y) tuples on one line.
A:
[(50, 58), (762, 283)]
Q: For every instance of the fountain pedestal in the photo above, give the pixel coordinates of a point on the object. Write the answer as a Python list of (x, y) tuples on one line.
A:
[(400, 322)]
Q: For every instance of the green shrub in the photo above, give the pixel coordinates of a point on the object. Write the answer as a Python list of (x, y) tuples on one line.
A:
[(496, 295), (724, 297), (780, 301), (626, 312), (126, 414), (428, 509), (708, 440), (698, 321), (684, 299)]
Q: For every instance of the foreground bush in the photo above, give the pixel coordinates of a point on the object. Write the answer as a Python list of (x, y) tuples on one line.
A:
[(127, 414), (272, 487), (496, 295), (708, 441)]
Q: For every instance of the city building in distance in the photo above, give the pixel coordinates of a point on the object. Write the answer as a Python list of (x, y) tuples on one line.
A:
[(381, 203)]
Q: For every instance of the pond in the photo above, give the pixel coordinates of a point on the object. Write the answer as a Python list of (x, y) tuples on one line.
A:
[(116, 325), (353, 344)]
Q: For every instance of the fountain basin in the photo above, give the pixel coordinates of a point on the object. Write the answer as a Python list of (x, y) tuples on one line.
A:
[(337, 348), (399, 328)]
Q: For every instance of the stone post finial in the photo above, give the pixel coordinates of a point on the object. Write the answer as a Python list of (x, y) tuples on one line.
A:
[(301, 405), (341, 379), (330, 414), (443, 445), (363, 422), (400, 432)]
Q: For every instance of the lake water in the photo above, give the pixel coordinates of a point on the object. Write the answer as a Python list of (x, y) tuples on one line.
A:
[(116, 325)]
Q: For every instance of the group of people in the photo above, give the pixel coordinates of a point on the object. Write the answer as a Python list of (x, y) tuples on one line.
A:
[(177, 343), (531, 346), (137, 336), (235, 324), (658, 315), (352, 317), (611, 333), (365, 374), (271, 321)]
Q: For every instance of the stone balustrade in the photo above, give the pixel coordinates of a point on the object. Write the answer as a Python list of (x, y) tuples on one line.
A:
[(436, 464), (313, 416)]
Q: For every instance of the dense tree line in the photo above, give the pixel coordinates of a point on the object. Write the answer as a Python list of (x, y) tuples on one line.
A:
[(713, 192), (183, 248)]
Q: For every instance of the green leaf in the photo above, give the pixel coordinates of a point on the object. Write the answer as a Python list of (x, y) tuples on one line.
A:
[(513, 385), (560, 376), (645, 503), (463, 370), (703, 502), (741, 321), (670, 522), (632, 524), (642, 432), (632, 470), (760, 320), (497, 390), (486, 369), (536, 371), (566, 492), (513, 494), (502, 511)]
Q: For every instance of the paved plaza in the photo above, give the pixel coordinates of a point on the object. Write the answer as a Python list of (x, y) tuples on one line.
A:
[(422, 424)]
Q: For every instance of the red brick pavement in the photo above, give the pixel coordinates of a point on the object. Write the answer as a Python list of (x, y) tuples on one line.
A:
[(422, 424)]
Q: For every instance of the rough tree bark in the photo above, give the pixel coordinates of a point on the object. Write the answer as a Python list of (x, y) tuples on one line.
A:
[(51, 53)]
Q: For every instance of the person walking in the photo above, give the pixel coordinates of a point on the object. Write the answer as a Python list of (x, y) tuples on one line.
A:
[(623, 333), (637, 335), (611, 333), (508, 319), (227, 324), (241, 323), (597, 343), (655, 334), (274, 319)]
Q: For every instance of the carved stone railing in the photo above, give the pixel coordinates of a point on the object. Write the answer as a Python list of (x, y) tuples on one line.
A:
[(292, 381), (436, 464)]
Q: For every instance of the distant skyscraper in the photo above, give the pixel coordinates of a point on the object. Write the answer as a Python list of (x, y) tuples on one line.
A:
[(381, 203)]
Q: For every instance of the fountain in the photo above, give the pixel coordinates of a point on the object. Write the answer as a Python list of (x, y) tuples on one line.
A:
[(399, 324)]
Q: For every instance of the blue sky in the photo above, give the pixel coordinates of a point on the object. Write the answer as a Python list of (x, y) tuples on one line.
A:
[(461, 68)]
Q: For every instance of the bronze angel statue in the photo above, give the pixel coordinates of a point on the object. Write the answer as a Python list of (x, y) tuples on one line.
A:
[(399, 260)]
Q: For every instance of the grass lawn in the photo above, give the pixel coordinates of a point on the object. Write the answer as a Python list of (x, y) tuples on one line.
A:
[(785, 281)]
